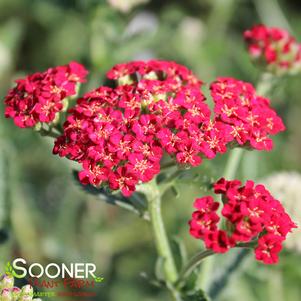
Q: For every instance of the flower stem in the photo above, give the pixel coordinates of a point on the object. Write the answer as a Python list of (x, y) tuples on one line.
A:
[(265, 84), (162, 244), (221, 282), (233, 163), (168, 165), (50, 133), (192, 264)]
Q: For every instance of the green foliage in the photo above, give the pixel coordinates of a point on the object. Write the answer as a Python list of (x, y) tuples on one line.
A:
[(136, 203), (9, 269)]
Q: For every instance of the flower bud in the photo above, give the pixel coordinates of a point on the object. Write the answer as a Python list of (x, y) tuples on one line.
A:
[(6, 281), (38, 98), (15, 293), (6, 295), (8, 292), (27, 290), (274, 49)]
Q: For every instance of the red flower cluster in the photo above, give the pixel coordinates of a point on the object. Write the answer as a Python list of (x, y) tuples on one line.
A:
[(38, 97), (119, 134), (250, 214), (275, 48), (249, 117)]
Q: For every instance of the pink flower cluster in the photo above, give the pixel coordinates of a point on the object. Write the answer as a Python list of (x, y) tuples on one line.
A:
[(275, 48), (249, 214), (38, 97), (9, 292), (248, 115), (120, 134)]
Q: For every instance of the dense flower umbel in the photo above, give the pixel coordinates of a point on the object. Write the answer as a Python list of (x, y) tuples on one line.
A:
[(275, 48), (8, 292), (248, 115), (38, 97), (119, 134), (250, 213)]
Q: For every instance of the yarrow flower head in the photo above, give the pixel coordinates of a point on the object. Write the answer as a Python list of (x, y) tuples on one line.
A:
[(248, 116), (249, 214), (39, 97), (9, 292), (119, 134), (274, 48)]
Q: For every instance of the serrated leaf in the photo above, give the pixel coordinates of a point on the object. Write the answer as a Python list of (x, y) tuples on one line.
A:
[(136, 203)]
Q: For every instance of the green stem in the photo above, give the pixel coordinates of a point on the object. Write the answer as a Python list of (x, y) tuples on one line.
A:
[(161, 239), (205, 276), (52, 135), (196, 260), (265, 84), (271, 13), (248, 245), (49, 133), (233, 163), (162, 244), (168, 165), (193, 263)]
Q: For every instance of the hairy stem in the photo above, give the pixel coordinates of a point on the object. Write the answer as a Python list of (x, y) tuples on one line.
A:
[(233, 163), (162, 244)]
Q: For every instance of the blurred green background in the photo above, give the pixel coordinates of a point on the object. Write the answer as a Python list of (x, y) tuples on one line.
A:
[(45, 217)]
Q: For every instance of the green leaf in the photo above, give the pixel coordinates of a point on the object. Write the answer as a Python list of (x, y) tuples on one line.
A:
[(175, 191), (136, 203), (180, 250), (9, 269)]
